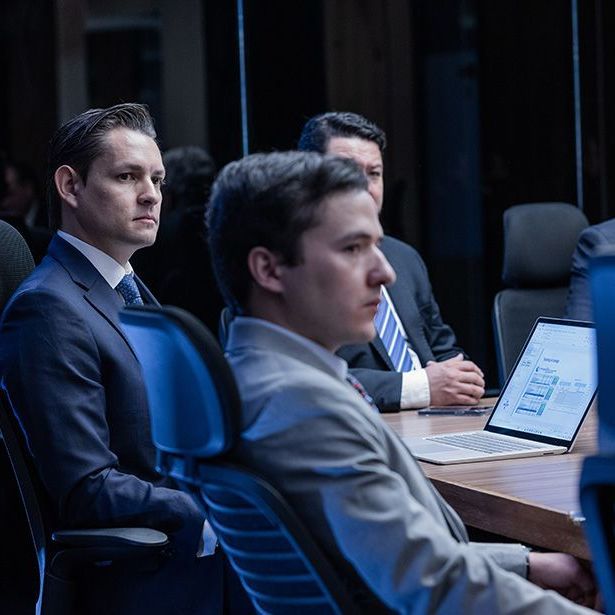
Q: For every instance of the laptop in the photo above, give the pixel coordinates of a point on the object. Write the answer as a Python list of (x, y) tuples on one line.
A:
[(541, 407)]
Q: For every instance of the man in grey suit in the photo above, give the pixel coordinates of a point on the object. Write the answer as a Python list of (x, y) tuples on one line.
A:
[(436, 370), (579, 304), (294, 240)]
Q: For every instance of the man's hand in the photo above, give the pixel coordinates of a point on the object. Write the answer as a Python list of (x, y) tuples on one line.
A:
[(565, 574), (454, 382)]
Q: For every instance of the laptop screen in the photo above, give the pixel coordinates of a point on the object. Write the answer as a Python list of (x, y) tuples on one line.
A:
[(552, 384)]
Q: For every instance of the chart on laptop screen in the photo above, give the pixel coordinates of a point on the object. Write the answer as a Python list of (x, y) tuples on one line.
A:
[(552, 384)]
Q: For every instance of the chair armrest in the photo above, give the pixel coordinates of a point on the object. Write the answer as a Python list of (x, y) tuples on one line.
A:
[(111, 537), (102, 546)]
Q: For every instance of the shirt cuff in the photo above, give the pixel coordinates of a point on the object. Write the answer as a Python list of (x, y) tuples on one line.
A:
[(414, 389), (208, 542)]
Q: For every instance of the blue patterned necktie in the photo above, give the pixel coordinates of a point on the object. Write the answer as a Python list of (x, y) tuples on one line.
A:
[(391, 336), (357, 386), (129, 290)]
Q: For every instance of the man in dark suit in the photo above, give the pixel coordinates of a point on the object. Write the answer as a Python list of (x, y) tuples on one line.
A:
[(414, 360), (579, 304), (72, 378)]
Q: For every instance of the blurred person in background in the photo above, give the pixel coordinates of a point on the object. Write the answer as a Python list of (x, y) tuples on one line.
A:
[(175, 268)]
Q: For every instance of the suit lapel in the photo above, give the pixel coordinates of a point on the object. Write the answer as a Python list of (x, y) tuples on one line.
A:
[(381, 350), (104, 299), (146, 294), (107, 302)]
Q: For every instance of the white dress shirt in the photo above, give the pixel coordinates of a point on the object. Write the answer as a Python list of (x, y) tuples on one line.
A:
[(106, 265)]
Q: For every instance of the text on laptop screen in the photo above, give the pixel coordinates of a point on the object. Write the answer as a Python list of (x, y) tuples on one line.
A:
[(552, 383)]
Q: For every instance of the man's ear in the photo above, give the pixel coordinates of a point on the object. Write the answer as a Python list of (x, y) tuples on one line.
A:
[(68, 183), (264, 266)]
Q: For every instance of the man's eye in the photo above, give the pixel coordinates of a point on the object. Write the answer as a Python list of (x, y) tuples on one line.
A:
[(352, 248), (375, 174), (158, 181), (124, 177)]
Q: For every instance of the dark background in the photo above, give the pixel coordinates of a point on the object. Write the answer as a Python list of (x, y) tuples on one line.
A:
[(476, 97)]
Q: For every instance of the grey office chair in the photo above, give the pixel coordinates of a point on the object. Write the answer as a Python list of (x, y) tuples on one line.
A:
[(539, 239), (16, 261)]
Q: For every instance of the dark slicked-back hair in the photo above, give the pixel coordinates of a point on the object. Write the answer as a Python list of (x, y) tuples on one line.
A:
[(82, 139), (269, 200), (320, 129)]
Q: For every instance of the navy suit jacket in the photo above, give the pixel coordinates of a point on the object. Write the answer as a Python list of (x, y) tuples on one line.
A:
[(428, 335), (75, 385), (579, 304)]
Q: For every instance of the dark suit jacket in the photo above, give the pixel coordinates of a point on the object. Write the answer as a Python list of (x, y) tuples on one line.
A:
[(76, 387), (429, 337), (579, 305)]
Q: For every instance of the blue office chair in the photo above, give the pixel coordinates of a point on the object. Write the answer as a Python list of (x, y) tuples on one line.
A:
[(597, 489), (539, 239), (195, 410), (602, 283)]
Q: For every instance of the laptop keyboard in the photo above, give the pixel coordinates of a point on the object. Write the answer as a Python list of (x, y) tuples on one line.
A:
[(484, 443)]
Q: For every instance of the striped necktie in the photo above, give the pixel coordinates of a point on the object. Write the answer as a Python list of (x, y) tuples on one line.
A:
[(129, 290), (391, 335)]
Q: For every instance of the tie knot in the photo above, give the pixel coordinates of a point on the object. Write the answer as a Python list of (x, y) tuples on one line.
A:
[(129, 290)]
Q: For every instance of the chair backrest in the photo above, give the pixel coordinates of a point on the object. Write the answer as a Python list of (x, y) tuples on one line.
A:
[(16, 261), (22, 475), (188, 381), (597, 488), (191, 392), (602, 280), (539, 240), (597, 496)]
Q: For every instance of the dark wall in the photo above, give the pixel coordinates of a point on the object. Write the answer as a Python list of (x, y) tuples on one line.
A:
[(597, 64), (284, 66), (28, 94), (527, 113)]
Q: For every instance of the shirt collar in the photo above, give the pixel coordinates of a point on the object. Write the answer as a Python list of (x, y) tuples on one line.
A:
[(335, 363), (107, 266)]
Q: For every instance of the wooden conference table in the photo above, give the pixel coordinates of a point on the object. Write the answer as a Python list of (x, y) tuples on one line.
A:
[(532, 500)]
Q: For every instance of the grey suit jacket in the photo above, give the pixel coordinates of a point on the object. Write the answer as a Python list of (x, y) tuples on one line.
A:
[(579, 304), (428, 335), (359, 490)]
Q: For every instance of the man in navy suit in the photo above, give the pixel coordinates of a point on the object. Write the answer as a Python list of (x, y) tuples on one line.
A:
[(435, 370), (579, 304), (72, 378)]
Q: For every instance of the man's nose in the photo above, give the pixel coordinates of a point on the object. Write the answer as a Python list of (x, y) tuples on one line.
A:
[(150, 192), (384, 274)]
